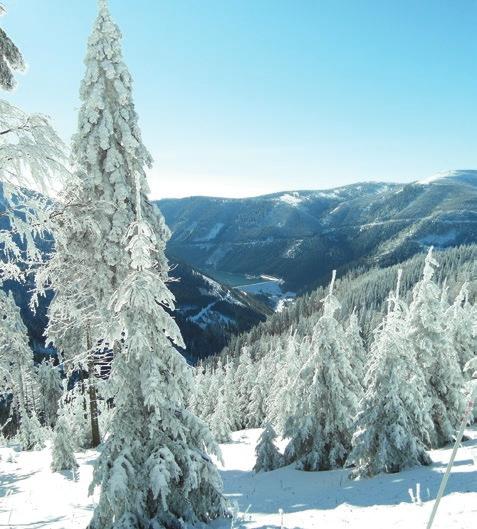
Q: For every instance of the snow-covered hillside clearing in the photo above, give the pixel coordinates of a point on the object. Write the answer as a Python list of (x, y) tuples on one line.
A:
[(33, 497)]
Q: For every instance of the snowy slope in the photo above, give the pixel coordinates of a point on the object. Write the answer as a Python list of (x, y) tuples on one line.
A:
[(31, 496)]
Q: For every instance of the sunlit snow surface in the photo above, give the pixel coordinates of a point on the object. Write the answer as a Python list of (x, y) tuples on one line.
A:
[(33, 497)]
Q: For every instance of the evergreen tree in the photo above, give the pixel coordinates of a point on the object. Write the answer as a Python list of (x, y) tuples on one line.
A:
[(63, 457), (356, 348), (231, 396), (283, 397), (436, 356), (459, 325), (257, 407), (96, 208), (321, 428), (16, 368), (244, 383), (394, 414), (154, 469), (267, 455), (74, 405), (196, 397), (30, 433), (219, 421), (50, 391)]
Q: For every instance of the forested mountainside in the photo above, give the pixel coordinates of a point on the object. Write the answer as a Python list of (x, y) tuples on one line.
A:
[(364, 291), (301, 236), (207, 312)]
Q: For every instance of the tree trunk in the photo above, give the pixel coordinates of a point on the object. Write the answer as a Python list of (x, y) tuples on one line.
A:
[(93, 402)]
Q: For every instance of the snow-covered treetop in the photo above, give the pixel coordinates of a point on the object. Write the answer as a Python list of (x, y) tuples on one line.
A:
[(108, 141), (430, 264), (330, 302)]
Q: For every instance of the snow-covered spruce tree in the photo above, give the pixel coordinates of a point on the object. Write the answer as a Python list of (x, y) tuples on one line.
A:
[(320, 430), (11, 59), (154, 469), (436, 356), (267, 455), (48, 378), (231, 396), (219, 421), (283, 397), (459, 324), (63, 457), (16, 367), (257, 408), (356, 347), (97, 206), (244, 382), (74, 406), (195, 400), (394, 413)]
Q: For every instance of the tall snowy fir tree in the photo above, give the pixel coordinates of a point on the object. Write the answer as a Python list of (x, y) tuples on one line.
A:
[(394, 414), (97, 206), (320, 430), (154, 469), (436, 356)]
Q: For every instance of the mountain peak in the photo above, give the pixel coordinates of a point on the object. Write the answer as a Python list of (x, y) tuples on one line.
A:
[(464, 176)]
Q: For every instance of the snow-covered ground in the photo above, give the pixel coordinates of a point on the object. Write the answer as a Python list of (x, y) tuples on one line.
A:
[(31, 496)]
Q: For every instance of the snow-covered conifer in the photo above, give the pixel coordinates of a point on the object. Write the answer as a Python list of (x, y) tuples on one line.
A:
[(50, 385), (16, 368), (96, 208), (63, 457), (283, 397), (320, 430), (459, 324), (219, 421), (436, 356), (244, 382), (267, 455), (356, 348), (154, 469), (394, 414), (74, 405), (257, 408), (30, 433), (231, 396)]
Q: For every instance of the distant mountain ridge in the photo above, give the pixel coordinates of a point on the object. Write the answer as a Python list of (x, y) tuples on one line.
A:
[(300, 236)]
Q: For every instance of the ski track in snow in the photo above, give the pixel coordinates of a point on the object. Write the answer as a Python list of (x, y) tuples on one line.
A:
[(33, 497)]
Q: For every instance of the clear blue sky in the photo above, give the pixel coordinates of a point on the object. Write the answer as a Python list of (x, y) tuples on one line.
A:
[(241, 97)]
